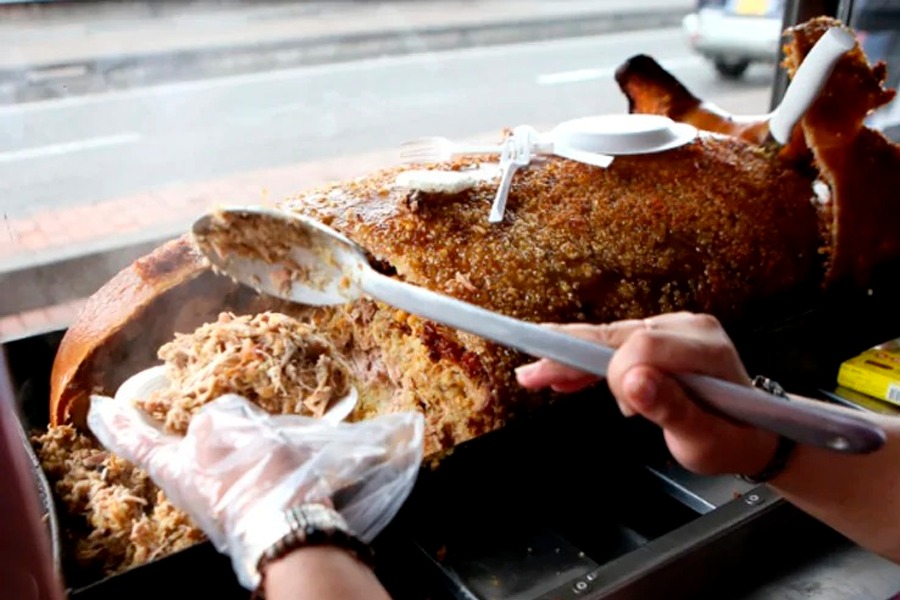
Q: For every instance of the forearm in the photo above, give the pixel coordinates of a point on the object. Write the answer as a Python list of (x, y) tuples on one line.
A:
[(857, 495), (322, 573)]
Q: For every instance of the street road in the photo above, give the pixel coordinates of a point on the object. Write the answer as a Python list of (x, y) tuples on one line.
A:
[(90, 148)]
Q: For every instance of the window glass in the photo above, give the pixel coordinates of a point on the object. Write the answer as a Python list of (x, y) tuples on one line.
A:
[(877, 23), (120, 122)]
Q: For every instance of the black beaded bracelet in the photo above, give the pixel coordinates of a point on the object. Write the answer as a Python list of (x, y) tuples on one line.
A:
[(786, 446), (312, 525)]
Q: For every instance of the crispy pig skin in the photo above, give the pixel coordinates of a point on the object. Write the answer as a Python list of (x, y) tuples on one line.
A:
[(861, 166), (703, 227), (651, 89), (121, 327)]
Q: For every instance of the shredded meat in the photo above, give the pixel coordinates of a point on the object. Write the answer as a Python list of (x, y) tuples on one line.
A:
[(276, 243), (275, 361), (115, 517)]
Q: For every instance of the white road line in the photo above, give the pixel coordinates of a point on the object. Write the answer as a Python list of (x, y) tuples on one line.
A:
[(581, 75), (437, 58), (69, 147), (575, 76)]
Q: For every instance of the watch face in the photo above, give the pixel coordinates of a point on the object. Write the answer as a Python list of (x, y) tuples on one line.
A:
[(515, 567)]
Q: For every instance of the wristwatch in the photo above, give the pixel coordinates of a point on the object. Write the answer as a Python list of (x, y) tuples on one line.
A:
[(308, 525)]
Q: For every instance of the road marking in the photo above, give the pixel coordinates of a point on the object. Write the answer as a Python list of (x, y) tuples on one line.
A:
[(69, 147), (438, 58), (575, 76), (581, 75)]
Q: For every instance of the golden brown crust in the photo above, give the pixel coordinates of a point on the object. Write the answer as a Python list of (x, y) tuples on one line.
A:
[(650, 89), (106, 325), (861, 166), (704, 227)]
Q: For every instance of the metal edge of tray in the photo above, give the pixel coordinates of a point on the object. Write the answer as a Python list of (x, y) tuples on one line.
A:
[(702, 554), (41, 483), (695, 560), (45, 495)]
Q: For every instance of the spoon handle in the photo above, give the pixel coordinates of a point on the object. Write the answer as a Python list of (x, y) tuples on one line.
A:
[(806, 422), (808, 81)]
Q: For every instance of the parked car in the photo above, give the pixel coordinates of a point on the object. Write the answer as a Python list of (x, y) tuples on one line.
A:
[(735, 33)]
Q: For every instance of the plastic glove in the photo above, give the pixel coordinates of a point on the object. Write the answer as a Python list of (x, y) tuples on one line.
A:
[(238, 468)]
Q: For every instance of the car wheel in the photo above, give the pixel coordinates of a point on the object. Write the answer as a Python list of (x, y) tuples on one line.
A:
[(731, 69)]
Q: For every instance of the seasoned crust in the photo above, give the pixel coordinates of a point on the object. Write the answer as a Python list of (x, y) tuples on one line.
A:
[(704, 227), (118, 330), (651, 89), (861, 166)]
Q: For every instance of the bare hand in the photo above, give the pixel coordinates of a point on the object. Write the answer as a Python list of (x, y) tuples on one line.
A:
[(648, 352)]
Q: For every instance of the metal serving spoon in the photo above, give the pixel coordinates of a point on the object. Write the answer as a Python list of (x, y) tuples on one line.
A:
[(309, 263)]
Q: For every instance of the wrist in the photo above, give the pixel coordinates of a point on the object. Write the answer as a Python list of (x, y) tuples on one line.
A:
[(781, 449), (778, 459), (309, 526), (322, 572)]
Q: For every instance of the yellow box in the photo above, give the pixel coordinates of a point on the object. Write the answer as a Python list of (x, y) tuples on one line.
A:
[(752, 7), (875, 372), (866, 402)]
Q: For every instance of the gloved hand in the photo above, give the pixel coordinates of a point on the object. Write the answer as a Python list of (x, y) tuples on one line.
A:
[(238, 468)]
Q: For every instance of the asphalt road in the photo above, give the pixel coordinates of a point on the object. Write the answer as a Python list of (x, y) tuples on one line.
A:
[(91, 148)]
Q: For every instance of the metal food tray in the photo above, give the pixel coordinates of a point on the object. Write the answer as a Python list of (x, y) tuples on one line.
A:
[(576, 475), (577, 478)]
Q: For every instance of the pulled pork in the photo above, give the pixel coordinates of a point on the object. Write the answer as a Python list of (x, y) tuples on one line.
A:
[(277, 362), (115, 517)]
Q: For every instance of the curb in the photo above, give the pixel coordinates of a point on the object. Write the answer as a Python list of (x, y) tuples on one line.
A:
[(125, 71), (78, 275)]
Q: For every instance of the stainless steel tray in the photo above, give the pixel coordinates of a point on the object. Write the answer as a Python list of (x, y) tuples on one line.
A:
[(577, 477)]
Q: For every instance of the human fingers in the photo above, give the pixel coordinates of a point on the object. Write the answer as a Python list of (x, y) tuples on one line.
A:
[(681, 343), (562, 378), (697, 439), (640, 378), (237, 451), (125, 430)]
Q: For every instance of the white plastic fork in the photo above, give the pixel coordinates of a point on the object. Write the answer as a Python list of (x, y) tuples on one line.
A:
[(439, 149), (517, 152)]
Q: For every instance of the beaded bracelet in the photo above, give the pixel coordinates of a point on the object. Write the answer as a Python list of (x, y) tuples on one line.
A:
[(786, 446), (312, 525)]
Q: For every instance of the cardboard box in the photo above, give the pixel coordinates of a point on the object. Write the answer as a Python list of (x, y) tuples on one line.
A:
[(875, 372)]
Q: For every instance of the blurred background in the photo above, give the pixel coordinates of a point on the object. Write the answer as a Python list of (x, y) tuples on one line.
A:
[(121, 121)]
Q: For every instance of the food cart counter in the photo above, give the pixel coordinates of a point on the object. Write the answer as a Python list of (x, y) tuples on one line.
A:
[(575, 502)]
